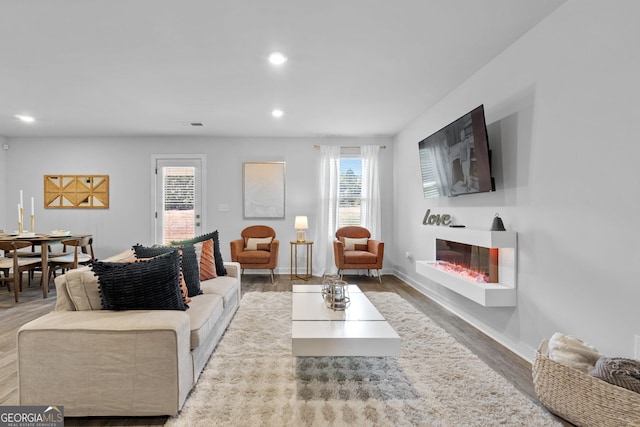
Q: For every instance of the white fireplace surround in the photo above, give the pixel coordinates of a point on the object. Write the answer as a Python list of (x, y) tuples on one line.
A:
[(501, 294)]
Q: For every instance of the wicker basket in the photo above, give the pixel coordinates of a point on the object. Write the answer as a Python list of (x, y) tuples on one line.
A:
[(580, 398)]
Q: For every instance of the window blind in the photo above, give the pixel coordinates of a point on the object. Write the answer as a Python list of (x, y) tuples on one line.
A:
[(179, 203), (350, 191)]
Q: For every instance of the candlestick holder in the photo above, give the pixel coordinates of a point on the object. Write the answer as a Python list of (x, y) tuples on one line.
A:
[(33, 223), (20, 223)]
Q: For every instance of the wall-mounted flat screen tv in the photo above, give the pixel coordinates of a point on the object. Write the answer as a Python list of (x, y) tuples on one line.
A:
[(456, 159)]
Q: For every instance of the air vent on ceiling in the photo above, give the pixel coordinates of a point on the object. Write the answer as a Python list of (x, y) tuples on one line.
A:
[(196, 124)]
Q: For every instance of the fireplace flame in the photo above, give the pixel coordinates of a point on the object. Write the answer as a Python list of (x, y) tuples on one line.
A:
[(462, 271)]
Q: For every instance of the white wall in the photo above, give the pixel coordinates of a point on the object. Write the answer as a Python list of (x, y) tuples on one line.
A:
[(3, 181), (563, 118), (127, 161), (562, 107)]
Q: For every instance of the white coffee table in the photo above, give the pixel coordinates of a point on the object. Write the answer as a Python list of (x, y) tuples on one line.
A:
[(359, 330)]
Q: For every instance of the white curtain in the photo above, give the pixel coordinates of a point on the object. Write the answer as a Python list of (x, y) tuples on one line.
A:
[(327, 217), (370, 210)]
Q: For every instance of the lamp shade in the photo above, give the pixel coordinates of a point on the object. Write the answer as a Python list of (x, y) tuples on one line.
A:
[(301, 223)]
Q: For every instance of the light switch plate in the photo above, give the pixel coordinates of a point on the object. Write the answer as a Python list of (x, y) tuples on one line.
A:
[(223, 207)]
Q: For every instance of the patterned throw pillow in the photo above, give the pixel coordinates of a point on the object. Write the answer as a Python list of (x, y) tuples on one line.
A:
[(190, 267), (183, 284), (152, 284), (207, 261), (183, 289), (220, 270)]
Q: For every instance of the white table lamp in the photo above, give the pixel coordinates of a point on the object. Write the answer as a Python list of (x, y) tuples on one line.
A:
[(301, 225)]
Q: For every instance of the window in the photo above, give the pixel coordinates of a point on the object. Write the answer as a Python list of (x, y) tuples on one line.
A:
[(350, 191)]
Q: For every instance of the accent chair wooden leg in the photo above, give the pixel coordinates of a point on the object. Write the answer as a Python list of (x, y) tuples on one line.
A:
[(272, 277), (379, 277)]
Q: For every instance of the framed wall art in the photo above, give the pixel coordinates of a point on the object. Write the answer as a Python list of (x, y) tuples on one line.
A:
[(76, 191), (263, 190)]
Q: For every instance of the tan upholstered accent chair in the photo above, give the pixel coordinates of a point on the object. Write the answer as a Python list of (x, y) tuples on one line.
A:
[(258, 249), (354, 249)]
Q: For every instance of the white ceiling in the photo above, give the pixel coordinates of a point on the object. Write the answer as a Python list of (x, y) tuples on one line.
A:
[(147, 67)]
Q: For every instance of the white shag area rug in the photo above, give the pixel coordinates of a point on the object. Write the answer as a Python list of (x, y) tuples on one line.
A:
[(252, 379)]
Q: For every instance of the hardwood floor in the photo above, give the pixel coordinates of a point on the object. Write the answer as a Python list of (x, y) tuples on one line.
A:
[(32, 305)]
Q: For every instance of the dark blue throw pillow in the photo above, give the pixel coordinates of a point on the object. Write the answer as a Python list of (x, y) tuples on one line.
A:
[(152, 284), (190, 268), (217, 255)]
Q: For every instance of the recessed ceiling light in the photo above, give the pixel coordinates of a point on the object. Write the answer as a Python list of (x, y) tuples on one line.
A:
[(26, 119), (277, 113), (277, 58)]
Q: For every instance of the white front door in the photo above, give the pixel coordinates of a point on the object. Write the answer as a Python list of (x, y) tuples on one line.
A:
[(178, 198)]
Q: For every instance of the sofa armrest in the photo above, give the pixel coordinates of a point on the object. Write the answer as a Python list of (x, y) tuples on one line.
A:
[(233, 269), (106, 363)]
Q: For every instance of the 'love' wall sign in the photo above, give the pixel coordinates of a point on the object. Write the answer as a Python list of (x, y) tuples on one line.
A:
[(436, 219)]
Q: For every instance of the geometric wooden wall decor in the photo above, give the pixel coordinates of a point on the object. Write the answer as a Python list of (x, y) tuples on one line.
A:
[(76, 191)]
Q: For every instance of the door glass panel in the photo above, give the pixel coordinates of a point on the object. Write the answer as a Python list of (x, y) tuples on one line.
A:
[(178, 188)]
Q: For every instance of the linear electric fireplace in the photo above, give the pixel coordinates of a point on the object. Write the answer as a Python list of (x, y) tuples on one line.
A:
[(478, 264), (474, 263)]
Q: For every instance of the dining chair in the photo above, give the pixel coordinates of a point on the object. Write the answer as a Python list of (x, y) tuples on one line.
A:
[(13, 266), (82, 254), (29, 252)]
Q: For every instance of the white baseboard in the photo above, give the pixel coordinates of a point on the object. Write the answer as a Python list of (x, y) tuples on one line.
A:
[(524, 351)]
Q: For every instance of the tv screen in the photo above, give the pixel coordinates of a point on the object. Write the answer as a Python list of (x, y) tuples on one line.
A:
[(456, 159)]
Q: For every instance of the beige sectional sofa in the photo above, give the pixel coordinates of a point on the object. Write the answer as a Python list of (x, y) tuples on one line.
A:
[(120, 363)]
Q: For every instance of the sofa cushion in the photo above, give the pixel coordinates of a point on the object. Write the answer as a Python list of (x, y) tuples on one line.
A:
[(204, 312), (189, 263), (124, 256), (226, 287), (63, 302), (152, 284), (220, 270), (82, 287)]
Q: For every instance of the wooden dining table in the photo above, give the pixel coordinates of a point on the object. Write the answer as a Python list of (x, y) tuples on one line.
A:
[(44, 240)]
